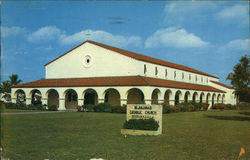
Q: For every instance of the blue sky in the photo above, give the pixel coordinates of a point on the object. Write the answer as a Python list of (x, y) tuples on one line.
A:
[(208, 36)]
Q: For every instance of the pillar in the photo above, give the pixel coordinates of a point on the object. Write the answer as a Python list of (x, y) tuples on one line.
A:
[(44, 101), (124, 102), (80, 102), (28, 101), (171, 102), (61, 104), (100, 101)]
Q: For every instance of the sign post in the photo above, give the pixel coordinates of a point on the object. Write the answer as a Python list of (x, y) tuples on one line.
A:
[(145, 111)]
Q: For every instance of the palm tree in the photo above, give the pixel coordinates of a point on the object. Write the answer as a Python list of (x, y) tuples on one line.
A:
[(14, 80)]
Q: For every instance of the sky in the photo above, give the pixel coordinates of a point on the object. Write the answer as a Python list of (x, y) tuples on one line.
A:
[(209, 36)]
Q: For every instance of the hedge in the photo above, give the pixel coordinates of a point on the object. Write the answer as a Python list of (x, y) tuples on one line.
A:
[(141, 124)]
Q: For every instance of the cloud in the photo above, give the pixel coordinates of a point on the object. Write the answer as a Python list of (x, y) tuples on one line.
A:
[(173, 37), (101, 36), (52, 33), (12, 31), (45, 34), (180, 12), (234, 12), (239, 45)]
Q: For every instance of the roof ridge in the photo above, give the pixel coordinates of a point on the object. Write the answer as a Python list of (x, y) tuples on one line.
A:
[(140, 57)]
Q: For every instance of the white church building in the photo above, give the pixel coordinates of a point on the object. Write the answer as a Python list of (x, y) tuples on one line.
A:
[(92, 73)]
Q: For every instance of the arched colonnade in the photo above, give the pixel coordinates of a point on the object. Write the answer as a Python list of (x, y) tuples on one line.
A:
[(70, 98)]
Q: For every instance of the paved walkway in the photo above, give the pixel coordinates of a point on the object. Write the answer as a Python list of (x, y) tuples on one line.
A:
[(44, 112)]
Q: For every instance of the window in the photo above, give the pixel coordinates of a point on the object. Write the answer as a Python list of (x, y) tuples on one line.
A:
[(201, 79), (196, 79), (156, 71), (145, 68), (189, 76), (207, 80), (174, 74), (166, 73), (182, 75)]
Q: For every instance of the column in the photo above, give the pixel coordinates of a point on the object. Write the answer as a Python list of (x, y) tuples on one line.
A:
[(61, 104), (160, 101), (28, 101), (100, 101), (148, 101), (80, 102), (124, 102), (13, 100), (44, 101)]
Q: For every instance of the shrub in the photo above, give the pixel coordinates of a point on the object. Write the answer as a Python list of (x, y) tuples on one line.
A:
[(243, 106), (124, 109), (115, 109), (89, 107), (218, 106), (102, 107), (118, 109), (141, 124), (79, 108), (21, 106), (228, 106), (52, 108), (35, 107), (10, 105), (190, 107), (166, 108), (204, 106)]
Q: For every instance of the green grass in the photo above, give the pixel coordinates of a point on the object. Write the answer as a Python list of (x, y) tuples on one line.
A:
[(20, 110), (194, 135)]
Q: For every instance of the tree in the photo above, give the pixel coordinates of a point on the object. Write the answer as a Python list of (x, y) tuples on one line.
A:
[(5, 86), (240, 79), (14, 79)]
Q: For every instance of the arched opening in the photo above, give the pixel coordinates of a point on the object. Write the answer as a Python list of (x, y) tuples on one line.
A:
[(223, 98), (213, 98), (20, 96), (202, 97), (90, 97), (208, 98), (168, 95), (187, 97), (112, 97), (53, 98), (218, 98), (177, 97), (195, 96), (36, 97), (71, 99), (155, 96), (135, 96)]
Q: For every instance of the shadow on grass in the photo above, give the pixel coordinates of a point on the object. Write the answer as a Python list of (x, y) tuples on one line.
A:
[(233, 118), (245, 113)]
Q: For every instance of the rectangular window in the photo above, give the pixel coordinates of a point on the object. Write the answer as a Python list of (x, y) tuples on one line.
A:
[(156, 71), (145, 68), (166, 73), (174, 74), (182, 75)]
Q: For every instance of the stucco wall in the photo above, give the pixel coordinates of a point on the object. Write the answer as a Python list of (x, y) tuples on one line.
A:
[(103, 63)]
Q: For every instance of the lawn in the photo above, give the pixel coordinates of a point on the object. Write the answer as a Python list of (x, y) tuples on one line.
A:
[(73, 135)]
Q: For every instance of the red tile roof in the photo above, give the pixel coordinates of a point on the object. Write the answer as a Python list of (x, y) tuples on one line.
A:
[(115, 81), (141, 58), (223, 85)]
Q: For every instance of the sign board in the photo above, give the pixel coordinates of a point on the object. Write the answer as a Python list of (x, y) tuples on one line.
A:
[(145, 111)]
